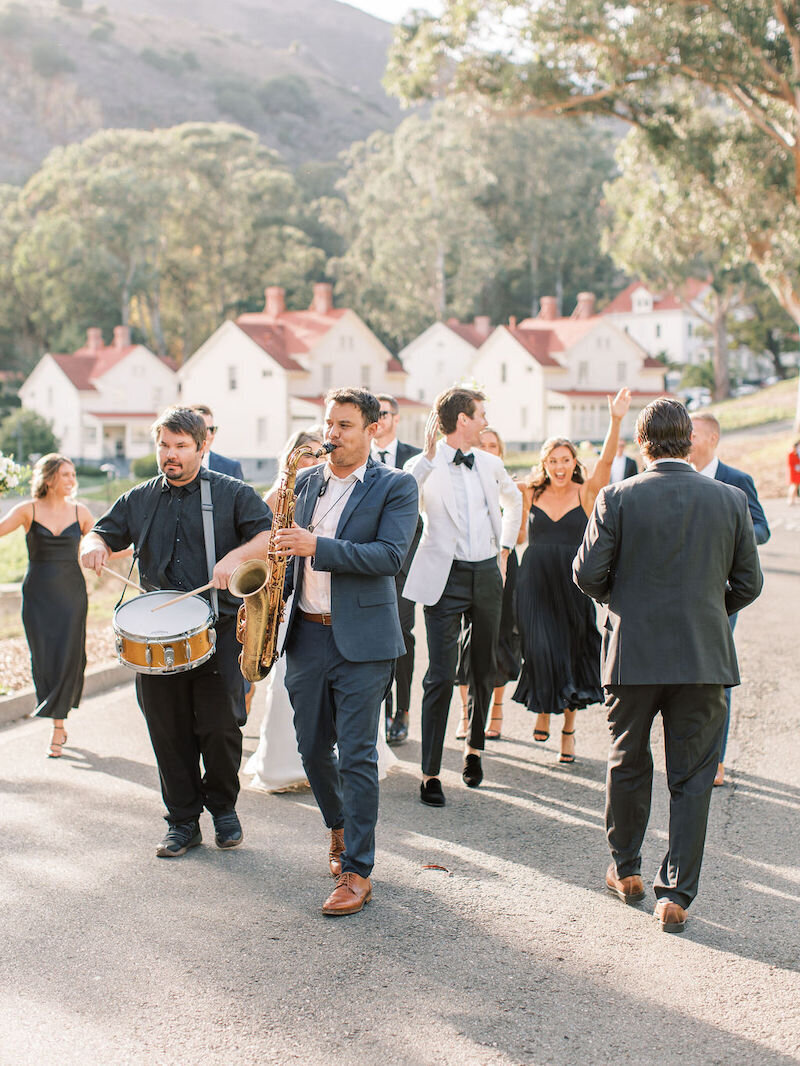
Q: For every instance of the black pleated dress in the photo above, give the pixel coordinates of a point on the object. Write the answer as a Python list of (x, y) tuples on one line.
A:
[(556, 621), (54, 607)]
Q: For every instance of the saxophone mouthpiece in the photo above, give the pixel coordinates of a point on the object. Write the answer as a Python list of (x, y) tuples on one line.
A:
[(326, 449)]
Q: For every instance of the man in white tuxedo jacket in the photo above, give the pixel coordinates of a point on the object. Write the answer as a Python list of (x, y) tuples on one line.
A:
[(471, 510)]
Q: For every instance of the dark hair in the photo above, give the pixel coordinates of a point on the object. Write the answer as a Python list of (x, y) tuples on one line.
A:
[(181, 420), (384, 397), (664, 429), (453, 402), (202, 409), (361, 398), (539, 479), (44, 473)]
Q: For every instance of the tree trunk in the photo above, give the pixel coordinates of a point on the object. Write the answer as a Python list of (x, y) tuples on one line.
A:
[(722, 382), (440, 296)]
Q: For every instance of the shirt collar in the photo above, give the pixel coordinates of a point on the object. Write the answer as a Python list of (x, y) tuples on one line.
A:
[(356, 475), (449, 452), (193, 486), (711, 469), (668, 459), (390, 449)]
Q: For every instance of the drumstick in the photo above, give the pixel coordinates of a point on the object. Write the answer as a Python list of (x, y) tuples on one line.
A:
[(183, 596), (132, 584)]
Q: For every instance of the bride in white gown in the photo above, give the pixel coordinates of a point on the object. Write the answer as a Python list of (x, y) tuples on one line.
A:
[(276, 763)]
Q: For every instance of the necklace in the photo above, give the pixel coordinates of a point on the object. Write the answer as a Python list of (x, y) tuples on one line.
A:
[(313, 525)]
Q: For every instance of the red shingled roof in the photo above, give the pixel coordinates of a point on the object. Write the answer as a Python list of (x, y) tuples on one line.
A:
[(272, 339), (88, 364), (468, 332), (539, 343), (667, 301)]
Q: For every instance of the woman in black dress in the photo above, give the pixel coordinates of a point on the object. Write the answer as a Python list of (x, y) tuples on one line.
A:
[(54, 591), (560, 643), (508, 660)]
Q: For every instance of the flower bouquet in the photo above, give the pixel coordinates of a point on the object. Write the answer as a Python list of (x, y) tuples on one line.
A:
[(11, 474)]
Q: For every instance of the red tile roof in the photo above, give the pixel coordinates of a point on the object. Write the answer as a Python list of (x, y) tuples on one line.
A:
[(539, 343), (468, 332), (87, 364), (667, 301), (272, 339)]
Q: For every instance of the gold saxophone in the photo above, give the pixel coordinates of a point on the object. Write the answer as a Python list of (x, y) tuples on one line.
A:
[(260, 582)]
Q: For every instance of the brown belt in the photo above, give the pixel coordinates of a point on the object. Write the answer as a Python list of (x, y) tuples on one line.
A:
[(322, 619)]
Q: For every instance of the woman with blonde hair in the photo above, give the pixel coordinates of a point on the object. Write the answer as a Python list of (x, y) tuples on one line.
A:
[(557, 623), (54, 591)]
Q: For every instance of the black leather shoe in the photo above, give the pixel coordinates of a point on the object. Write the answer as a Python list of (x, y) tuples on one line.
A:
[(180, 837), (430, 792), (398, 731), (472, 774), (227, 830)]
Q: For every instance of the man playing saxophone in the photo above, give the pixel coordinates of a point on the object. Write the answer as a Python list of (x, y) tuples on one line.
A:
[(353, 524)]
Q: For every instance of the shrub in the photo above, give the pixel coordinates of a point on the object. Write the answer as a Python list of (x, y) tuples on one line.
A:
[(237, 101), (170, 64), (74, 5), (287, 92), (14, 21), (49, 59), (102, 32), (25, 433), (145, 466)]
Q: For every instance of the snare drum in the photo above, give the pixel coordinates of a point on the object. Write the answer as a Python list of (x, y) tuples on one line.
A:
[(168, 641)]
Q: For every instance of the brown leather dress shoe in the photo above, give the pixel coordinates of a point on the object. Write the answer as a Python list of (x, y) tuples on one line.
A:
[(335, 852), (671, 916), (628, 889), (351, 893)]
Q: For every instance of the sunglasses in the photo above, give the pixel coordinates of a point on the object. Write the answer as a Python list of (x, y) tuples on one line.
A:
[(386, 414)]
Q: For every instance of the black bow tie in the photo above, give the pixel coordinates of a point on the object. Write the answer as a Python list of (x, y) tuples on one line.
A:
[(460, 458)]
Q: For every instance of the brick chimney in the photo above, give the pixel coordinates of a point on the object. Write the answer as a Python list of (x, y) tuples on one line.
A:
[(548, 308), (512, 321), (122, 337), (483, 326), (94, 338), (274, 300), (323, 298), (584, 308)]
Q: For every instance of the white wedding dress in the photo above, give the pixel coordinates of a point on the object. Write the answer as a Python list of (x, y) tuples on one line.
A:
[(275, 764)]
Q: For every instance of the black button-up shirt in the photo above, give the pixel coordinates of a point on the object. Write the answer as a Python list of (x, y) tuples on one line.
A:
[(173, 553)]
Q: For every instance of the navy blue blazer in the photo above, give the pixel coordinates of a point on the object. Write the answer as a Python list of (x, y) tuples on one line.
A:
[(371, 542), (729, 475), (224, 465)]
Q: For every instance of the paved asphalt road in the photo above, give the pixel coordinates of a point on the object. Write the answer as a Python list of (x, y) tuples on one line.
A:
[(516, 955)]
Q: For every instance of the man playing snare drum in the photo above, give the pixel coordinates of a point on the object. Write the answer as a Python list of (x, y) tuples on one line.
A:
[(190, 714)]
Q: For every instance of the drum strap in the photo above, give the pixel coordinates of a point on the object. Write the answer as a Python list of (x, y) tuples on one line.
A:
[(208, 535)]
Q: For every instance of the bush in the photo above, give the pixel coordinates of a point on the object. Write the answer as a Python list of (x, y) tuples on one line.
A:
[(102, 32), (170, 64), (49, 59), (237, 101), (287, 93), (190, 61), (74, 5), (24, 433), (146, 466), (14, 21)]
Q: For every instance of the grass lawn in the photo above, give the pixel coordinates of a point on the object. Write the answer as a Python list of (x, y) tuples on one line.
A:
[(775, 403)]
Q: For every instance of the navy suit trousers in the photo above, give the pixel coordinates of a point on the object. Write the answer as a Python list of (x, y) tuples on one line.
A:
[(338, 702)]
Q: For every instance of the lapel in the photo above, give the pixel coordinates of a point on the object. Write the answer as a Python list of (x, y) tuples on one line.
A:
[(720, 472), (445, 484), (490, 491), (307, 501), (359, 492)]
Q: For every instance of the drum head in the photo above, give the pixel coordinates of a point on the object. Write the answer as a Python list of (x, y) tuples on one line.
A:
[(136, 618)]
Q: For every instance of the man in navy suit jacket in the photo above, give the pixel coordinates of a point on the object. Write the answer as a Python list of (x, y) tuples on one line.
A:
[(354, 522), (221, 463), (705, 439)]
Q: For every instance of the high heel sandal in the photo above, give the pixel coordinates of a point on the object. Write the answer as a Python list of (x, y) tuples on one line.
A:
[(564, 757), (54, 751), (495, 726), (463, 727), (541, 735)]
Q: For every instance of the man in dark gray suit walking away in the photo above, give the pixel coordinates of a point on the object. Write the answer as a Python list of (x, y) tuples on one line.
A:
[(672, 553)]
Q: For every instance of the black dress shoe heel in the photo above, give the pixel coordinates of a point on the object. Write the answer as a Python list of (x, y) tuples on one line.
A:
[(430, 792), (472, 774), (398, 731)]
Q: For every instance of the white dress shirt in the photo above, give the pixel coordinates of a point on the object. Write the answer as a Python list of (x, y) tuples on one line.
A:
[(618, 468), (476, 539), (316, 597), (711, 469), (390, 449)]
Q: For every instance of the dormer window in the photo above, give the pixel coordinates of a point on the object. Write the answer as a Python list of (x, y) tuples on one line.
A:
[(642, 302)]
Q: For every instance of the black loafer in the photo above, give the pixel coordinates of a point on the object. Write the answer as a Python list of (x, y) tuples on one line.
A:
[(398, 731), (472, 774), (180, 837), (430, 792), (227, 830)]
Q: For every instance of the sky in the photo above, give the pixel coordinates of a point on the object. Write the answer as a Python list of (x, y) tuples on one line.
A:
[(391, 10)]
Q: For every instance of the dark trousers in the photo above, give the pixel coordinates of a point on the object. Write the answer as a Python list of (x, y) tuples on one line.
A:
[(733, 618), (693, 717), (338, 702), (404, 667), (473, 591), (192, 716)]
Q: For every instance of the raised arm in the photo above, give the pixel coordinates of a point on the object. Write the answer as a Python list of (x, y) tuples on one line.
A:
[(19, 515), (617, 409)]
